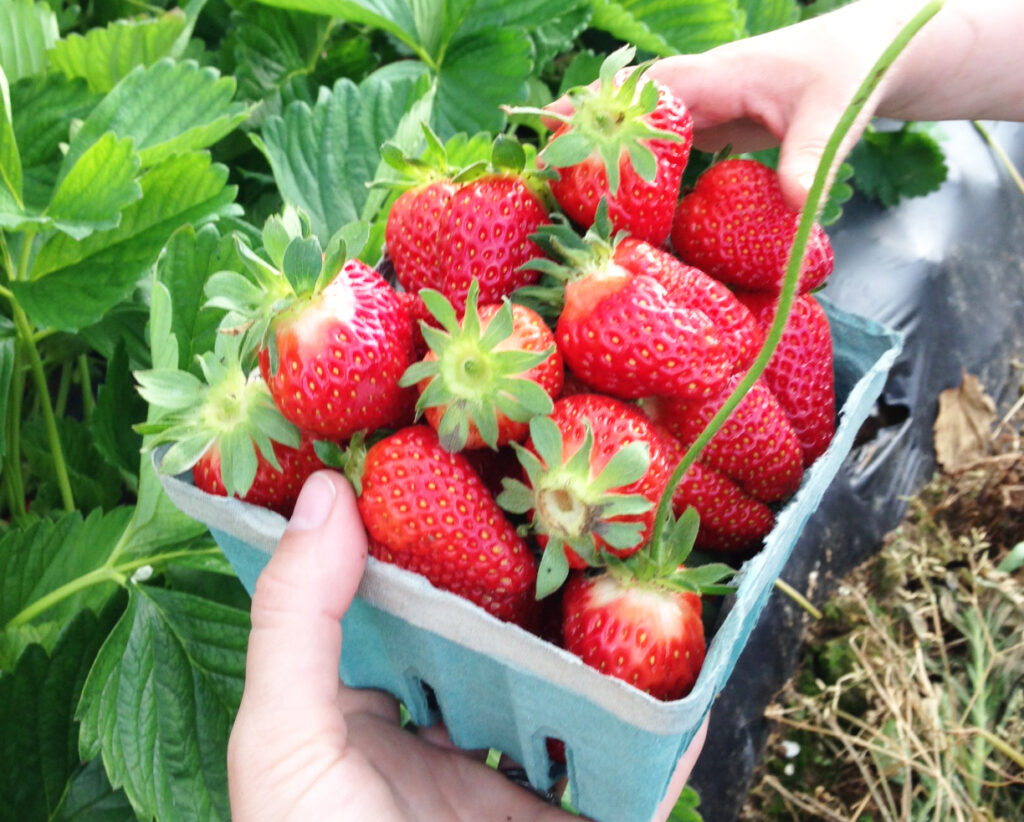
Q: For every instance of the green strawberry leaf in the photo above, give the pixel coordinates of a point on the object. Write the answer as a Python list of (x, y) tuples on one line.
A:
[(685, 809), (524, 14), (39, 747), (55, 555), (97, 188), (90, 798), (891, 165), (401, 18), (489, 67), (43, 110), (768, 15), (334, 140), (117, 402), (558, 36), (168, 108), (188, 260), (27, 31), (273, 47), (77, 282), (164, 688), (679, 27), (97, 484), (10, 157), (102, 56)]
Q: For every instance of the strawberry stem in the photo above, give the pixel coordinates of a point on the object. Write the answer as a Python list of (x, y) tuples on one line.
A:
[(808, 215)]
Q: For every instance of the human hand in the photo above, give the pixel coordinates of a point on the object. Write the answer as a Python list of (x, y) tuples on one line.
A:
[(789, 87), (304, 746)]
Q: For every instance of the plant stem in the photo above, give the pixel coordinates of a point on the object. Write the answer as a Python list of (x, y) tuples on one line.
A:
[(1000, 153), (13, 480), (24, 262), (88, 401), (798, 598), (24, 327), (790, 281), (106, 573), (999, 744)]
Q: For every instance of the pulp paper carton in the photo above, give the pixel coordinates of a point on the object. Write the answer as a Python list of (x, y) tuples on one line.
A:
[(497, 686)]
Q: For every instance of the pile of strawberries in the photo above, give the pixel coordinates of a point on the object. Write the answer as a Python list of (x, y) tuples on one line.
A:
[(512, 409)]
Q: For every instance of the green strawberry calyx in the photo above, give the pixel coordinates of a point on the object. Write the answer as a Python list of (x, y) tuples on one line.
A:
[(608, 119), (471, 375), (661, 563), (571, 505), (292, 269), (570, 257), (226, 408)]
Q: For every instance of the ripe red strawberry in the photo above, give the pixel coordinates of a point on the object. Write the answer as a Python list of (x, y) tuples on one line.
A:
[(691, 287), (735, 226), (332, 336), (486, 230), (335, 357), (226, 428), (459, 224), (756, 447), (649, 636), (627, 142), (595, 469), (275, 488), (800, 372), (621, 330), (411, 234), (730, 519), (485, 377), (426, 510)]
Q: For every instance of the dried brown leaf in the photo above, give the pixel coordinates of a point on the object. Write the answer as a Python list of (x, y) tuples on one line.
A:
[(963, 427)]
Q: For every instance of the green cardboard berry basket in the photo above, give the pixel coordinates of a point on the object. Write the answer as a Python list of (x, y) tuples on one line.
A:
[(497, 686)]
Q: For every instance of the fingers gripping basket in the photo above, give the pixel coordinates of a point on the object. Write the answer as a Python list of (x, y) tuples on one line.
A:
[(497, 686)]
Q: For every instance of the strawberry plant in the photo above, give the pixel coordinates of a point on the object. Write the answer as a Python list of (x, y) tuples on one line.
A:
[(182, 172)]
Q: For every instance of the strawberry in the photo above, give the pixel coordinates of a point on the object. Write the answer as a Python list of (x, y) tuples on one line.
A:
[(456, 225), (595, 468), (800, 372), (620, 330), (411, 233), (333, 337), (730, 519), (691, 287), (226, 428), (756, 447), (484, 378), (628, 142), (735, 226), (650, 637), (486, 230), (640, 619), (426, 510), (273, 486)]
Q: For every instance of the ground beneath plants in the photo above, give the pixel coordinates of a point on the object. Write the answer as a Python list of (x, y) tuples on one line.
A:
[(909, 702)]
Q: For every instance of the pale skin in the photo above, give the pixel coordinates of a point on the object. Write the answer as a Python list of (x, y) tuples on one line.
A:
[(306, 747), (790, 86)]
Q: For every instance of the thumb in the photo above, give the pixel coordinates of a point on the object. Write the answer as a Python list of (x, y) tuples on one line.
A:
[(807, 136), (300, 597)]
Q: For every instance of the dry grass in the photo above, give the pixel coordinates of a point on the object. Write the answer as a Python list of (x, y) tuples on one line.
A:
[(910, 705)]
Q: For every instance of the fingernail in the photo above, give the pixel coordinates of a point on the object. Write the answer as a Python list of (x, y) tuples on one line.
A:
[(805, 179), (313, 505)]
